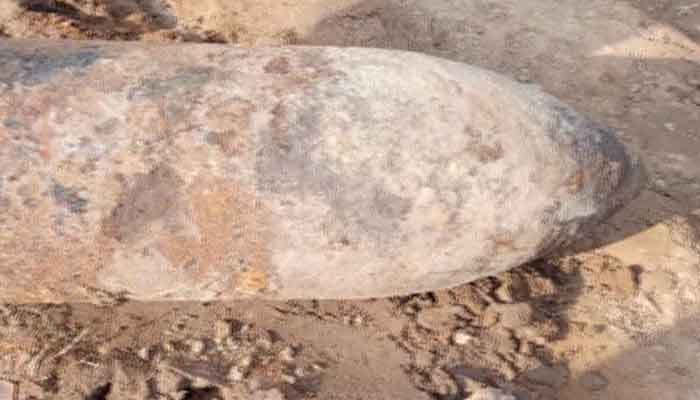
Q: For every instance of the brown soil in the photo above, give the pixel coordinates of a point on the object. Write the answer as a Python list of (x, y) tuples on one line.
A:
[(619, 319)]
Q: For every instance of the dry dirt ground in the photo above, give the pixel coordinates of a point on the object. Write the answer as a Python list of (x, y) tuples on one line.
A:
[(617, 319)]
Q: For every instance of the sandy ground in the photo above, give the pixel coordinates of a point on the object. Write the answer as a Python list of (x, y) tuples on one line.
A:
[(619, 318)]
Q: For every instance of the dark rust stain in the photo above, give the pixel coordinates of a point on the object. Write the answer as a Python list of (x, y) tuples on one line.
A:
[(310, 67), (278, 65), (279, 117), (233, 225), (41, 131), (11, 123), (69, 198), (184, 80), (39, 259), (36, 65), (503, 241), (230, 122), (288, 37), (457, 86), (575, 183), (151, 197), (148, 118), (108, 127), (289, 83), (228, 141), (89, 166), (488, 153), (5, 204), (389, 205), (216, 229), (280, 127)]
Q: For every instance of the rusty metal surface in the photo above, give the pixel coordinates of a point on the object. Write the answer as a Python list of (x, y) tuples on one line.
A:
[(202, 172)]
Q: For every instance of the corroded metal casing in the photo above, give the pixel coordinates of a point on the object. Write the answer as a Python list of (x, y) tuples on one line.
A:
[(203, 172)]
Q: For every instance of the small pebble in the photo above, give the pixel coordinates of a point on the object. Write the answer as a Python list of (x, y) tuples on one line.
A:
[(196, 346), (199, 382), (264, 343), (299, 371), (660, 183), (222, 330), (469, 384), (289, 379), (253, 384), (529, 331), (423, 359), (607, 77), (594, 381), (245, 362), (636, 88), (103, 349), (168, 346), (231, 344), (270, 394), (539, 340), (409, 309), (523, 77), (696, 99), (489, 318), (513, 316), (555, 376), (525, 347), (503, 294), (144, 353), (317, 367), (670, 126), (490, 394), (168, 381), (358, 320), (180, 395), (287, 354), (683, 11), (461, 338), (235, 374)]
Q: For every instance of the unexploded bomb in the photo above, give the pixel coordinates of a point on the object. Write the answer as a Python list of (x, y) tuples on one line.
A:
[(201, 172)]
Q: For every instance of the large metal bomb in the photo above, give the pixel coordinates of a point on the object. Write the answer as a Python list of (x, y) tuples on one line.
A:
[(203, 172)]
